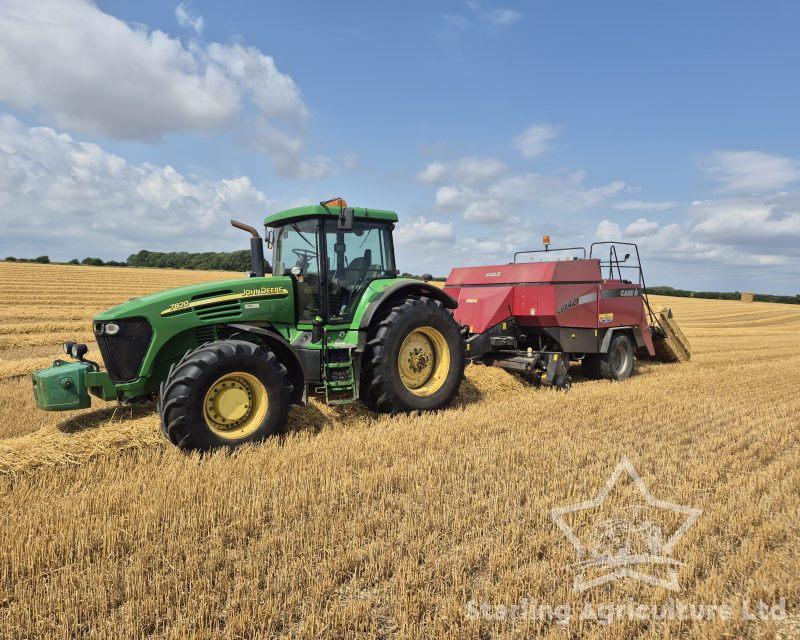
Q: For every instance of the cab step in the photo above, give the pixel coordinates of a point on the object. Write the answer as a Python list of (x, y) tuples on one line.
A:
[(338, 376)]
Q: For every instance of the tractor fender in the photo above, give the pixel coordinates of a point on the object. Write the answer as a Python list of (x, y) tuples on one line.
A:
[(286, 356), (632, 331), (404, 290)]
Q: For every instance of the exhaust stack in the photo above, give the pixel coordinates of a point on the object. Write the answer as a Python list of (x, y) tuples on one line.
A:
[(256, 249)]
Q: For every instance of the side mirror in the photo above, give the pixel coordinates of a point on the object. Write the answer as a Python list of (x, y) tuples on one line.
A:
[(627, 255), (346, 219), (427, 277)]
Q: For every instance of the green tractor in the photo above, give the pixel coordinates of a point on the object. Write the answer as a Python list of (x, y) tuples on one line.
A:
[(227, 359)]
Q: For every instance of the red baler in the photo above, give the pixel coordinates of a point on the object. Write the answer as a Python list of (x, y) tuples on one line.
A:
[(535, 317)]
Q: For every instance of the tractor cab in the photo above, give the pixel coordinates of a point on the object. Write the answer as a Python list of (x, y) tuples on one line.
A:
[(332, 252)]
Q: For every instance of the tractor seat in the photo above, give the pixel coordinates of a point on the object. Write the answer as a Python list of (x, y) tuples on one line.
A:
[(355, 272)]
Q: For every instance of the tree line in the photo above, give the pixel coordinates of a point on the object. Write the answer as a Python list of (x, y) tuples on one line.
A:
[(721, 295), (209, 260)]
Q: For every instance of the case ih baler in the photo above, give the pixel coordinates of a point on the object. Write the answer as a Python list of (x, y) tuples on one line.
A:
[(534, 318)]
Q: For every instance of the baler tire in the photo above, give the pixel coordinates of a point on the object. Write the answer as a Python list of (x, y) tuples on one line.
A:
[(382, 388), (184, 392), (610, 368)]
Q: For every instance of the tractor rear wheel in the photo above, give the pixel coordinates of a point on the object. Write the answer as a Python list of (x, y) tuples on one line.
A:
[(616, 364), (224, 394), (414, 360)]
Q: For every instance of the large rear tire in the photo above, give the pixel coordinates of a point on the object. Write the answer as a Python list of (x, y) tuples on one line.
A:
[(414, 360), (224, 394)]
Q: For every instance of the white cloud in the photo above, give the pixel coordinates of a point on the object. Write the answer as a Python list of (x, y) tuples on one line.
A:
[(607, 230), (422, 232), (86, 71), (473, 170), (286, 152), (641, 205), (750, 221), (486, 210), (483, 247), (451, 198), (747, 241), (502, 17), (535, 140), (188, 20), (434, 172), (749, 170), (469, 170), (506, 195), (734, 233), (454, 25), (641, 227), (56, 191)]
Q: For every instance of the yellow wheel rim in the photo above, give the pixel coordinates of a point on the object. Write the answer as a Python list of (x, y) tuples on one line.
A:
[(424, 361), (235, 405)]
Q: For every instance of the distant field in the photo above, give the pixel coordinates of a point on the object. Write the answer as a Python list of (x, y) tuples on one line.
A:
[(365, 526)]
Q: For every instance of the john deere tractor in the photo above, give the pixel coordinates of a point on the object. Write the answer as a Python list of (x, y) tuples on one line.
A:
[(227, 359)]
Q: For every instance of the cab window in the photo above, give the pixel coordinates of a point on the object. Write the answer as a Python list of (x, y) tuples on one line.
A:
[(355, 258), (297, 253)]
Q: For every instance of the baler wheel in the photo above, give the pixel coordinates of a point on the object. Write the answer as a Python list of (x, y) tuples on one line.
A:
[(414, 359), (616, 364), (224, 394)]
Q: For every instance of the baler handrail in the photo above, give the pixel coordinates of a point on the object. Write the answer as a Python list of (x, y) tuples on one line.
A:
[(550, 251), (628, 244), (630, 266)]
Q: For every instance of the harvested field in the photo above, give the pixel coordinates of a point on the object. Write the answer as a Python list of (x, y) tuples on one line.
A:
[(365, 526)]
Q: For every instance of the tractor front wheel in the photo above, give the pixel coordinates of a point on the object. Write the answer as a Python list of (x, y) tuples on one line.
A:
[(224, 394), (414, 360)]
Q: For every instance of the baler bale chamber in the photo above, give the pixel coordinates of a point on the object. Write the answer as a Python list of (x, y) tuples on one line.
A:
[(551, 307)]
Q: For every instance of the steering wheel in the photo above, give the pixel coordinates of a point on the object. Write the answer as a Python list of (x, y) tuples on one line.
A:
[(304, 254)]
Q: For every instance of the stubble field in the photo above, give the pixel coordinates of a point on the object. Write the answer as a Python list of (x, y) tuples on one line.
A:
[(365, 526)]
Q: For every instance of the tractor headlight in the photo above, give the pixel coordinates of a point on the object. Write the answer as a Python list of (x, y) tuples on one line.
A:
[(111, 329), (67, 346), (78, 350)]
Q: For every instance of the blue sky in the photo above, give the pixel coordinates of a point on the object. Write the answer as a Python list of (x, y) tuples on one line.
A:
[(484, 124)]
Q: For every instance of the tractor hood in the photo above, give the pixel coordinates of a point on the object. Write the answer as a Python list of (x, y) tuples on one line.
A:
[(157, 329), (228, 298)]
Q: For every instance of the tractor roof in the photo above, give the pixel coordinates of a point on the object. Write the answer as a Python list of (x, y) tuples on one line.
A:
[(312, 211)]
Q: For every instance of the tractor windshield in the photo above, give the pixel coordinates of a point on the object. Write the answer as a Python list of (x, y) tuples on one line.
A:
[(338, 271)]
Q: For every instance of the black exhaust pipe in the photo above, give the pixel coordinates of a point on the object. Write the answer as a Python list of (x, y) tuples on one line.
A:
[(256, 249)]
